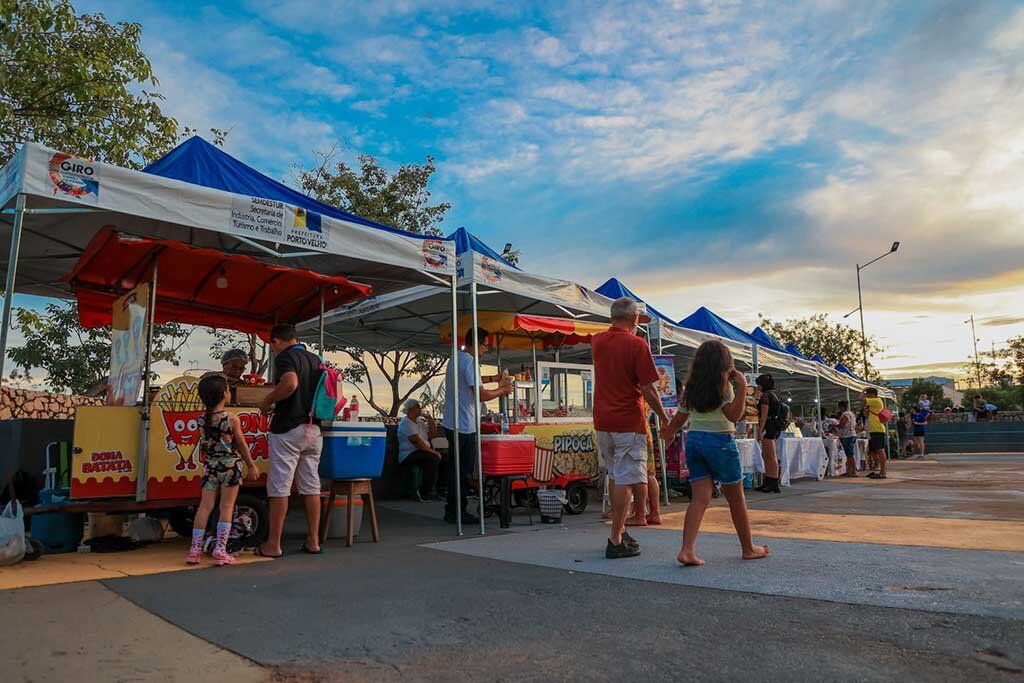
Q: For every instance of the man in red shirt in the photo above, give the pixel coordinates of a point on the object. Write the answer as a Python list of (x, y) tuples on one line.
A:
[(624, 375)]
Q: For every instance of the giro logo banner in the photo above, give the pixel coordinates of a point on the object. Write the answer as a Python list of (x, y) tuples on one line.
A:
[(74, 177)]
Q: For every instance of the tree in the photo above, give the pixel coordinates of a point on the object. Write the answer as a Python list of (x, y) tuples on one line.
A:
[(432, 400), (400, 199), (909, 398), (78, 83), (1004, 397), (835, 342), (255, 349), (76, 359)]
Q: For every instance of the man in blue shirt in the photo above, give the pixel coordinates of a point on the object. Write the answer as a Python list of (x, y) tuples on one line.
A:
[(469, 375)]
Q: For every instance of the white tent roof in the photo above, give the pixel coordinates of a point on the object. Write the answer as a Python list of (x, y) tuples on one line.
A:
[(409, 319), (69, 199)]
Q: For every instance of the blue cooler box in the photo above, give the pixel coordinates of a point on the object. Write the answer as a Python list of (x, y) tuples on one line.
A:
[(353, 450)]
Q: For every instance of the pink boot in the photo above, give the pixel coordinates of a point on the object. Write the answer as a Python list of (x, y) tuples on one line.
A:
[(221, 556), (195, 551)]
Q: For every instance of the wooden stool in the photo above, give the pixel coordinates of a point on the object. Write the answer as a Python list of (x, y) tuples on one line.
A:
[(350, 488)]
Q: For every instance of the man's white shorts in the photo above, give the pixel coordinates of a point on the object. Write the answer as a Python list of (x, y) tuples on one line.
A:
[(294, 455), (625, 456)]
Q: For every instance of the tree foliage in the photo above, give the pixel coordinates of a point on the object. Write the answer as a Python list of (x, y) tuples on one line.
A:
[(835, 342), (997, 367), (255, 349), (402, 200), (909, 398), (78, 83), (76, 359)]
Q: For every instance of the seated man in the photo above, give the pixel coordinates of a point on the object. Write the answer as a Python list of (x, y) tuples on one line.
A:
[(414, 447)]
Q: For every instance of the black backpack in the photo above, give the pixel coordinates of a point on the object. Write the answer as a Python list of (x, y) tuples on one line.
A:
[(780, 419)]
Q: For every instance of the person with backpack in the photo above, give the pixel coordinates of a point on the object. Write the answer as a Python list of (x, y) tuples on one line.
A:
[(772, 418), (294, 442)]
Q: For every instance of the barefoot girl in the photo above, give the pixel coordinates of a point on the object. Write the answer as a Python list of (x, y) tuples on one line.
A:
[(223, 450), (714, 399)]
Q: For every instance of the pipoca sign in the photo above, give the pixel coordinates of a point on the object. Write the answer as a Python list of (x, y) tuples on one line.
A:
[(573, 443)]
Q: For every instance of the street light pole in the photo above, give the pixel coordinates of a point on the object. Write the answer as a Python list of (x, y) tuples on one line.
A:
[(863, 337), (974, 340), (860, 304)]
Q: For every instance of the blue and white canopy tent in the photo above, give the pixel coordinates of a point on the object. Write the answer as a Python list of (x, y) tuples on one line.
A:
[(53, 203), (411, 319)]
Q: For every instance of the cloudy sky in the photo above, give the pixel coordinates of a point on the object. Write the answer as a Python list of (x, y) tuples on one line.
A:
[(743, 156)]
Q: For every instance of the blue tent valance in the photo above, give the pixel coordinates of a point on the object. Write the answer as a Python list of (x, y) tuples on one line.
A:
[(704, 320), (198, 162), (613, 289), (846, 371), (794, 351), (466, 241), (766, 340)]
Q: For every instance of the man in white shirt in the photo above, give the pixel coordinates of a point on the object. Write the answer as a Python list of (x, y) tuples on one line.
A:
[(414, 447), (469, 375)]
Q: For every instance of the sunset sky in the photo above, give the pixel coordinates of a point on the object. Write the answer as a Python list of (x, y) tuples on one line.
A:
[(742, 156)]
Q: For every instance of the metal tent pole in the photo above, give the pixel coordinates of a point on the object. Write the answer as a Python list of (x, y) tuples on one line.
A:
[(12, 269), (536, 383), (142, 470), (476, 393), (454, 388), (661, 444), (321, 347), (817, 386)]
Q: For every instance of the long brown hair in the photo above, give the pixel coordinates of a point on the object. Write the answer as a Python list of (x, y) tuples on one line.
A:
[(705, 382)]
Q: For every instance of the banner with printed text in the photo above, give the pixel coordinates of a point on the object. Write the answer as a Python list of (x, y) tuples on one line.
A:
[(127, 347)]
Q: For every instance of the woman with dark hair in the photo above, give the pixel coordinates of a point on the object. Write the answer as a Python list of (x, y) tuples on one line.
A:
[(769, 427), (714, 399)]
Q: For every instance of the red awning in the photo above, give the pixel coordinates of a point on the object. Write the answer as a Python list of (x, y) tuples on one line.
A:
[(201, 286)]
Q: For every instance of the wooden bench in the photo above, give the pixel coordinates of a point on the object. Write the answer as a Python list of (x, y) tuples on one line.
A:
[(350, 488)]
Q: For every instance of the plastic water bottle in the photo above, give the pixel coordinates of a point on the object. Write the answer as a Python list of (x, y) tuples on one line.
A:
[(504, 423), (353, 408)]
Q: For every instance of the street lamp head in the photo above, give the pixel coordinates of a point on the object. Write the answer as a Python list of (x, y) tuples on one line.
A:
[(895, 246)]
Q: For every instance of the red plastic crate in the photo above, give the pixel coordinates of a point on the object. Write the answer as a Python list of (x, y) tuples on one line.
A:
[(503, 455)]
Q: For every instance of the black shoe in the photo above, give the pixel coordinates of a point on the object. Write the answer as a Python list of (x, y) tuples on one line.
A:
[(630, 541), (617, 552), (874, 475)]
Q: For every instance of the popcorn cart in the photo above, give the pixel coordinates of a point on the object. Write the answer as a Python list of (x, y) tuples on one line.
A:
[(133, 455)]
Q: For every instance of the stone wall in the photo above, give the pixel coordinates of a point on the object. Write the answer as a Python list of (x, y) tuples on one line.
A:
[(22, 403)]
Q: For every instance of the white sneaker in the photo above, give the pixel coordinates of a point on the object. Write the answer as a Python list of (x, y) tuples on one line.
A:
[(919, 456)]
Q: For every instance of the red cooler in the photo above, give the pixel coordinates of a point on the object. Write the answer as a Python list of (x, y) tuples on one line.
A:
[(505, 454)]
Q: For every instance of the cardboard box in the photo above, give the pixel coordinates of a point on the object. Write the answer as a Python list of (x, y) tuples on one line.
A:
[(249, 395)]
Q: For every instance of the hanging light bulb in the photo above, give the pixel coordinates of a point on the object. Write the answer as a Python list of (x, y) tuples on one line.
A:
[(222, 280)]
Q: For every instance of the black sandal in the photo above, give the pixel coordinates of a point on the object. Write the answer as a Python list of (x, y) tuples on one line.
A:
[(259, 553), (305, 549)]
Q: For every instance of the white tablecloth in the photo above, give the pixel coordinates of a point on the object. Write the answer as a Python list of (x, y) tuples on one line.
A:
[(836, 457), (801, 457), (861, 458), (750, 455)]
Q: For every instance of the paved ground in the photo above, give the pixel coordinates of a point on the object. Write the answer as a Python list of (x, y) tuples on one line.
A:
[(518, 606), (87, 632)]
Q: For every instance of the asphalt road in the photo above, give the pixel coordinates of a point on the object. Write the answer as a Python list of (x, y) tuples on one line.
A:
[(401, 610)]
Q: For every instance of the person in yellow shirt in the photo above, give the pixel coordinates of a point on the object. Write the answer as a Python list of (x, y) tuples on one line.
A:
[(876, 432)]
